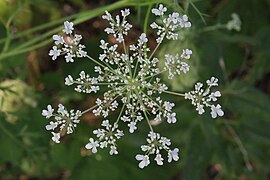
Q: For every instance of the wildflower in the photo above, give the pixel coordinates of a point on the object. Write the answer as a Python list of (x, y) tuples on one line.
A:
[(119, 28), (132, 83), (159, 159), (48, 113), (68, 27), (160, 11), (173, 155), (144, 160), (169, 24), (56, 137), (216, 111), (64, 121), (202, 98), (92, 145), (156, 143), (235, 23), (54, 53), (68, 44), (106, 137), (175, 64)]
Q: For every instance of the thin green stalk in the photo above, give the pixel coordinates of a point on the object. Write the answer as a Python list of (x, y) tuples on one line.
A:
[(89, 109), (148, 121), (212, 28), (147, 18), (144, 112), (120, 114), (170, 92), (241, 146), (197, 10), (154, 51), (7, 26), (13, 53)]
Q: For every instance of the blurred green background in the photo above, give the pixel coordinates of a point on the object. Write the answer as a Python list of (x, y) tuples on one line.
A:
[(236, 146)]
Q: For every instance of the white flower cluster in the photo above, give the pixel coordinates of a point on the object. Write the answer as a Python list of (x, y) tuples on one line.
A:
[(234, 23), (130, 77), (85, 83), (175, 64), (169, 25), (119, 28), (156, 144), (64, 121), (68, 44), (202, 98), (106, 137)]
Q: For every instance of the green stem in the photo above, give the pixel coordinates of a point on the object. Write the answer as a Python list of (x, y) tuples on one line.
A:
[(7, 26), (148, 121), (241, 146), (120, 114), (13, 53), (144, 111), (96, 84), (174, 93), (154, 51), (147, 18), (170, 92), (89, 109), (213, 28)]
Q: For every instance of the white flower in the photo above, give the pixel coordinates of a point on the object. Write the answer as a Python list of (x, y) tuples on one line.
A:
[(202, 98), (68, 27), (105, 124), (216, 111), (51, 126), (61, 110), (212, 82), (56, 137), (131, 78), (132, 127), (49, 112), (69, 58), (68, 44), (64, 121), (106, 136), (175, 64), (58, 39), (144, 160), (69, 80), (54, 53), (168, 106), (200, 108), (92, 145), (125, 12), (118, 28), (186, 53), (113, 150), (213, 96), (160, 11), (184, 22), (173, 155), (142, 39), (235, 23), (171, 118), (159, 159)]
